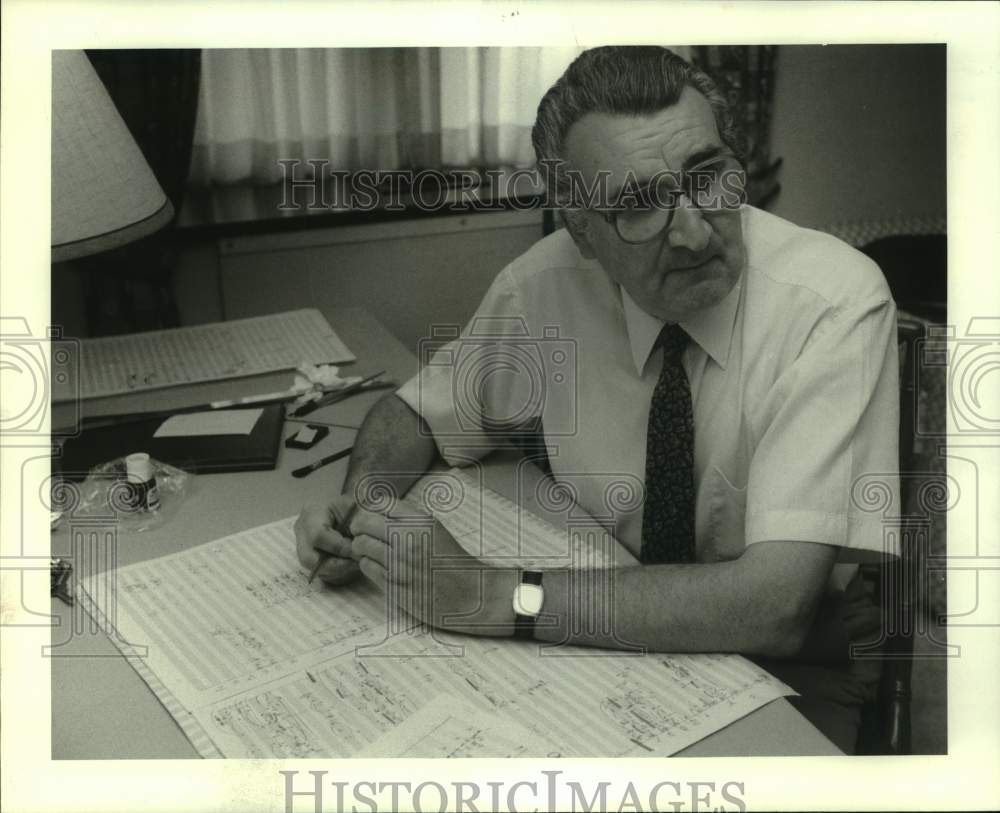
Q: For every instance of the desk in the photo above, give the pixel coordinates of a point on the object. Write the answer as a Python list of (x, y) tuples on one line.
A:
[(101, 709)]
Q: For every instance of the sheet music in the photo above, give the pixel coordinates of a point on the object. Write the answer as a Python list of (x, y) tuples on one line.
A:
[(501, 533), (447, 728), (194, 731), (114, 365), (271, 666), (216, 618), (639, 713), (572, 702)]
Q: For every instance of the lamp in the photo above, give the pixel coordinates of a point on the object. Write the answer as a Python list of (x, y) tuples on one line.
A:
[(104, 194)]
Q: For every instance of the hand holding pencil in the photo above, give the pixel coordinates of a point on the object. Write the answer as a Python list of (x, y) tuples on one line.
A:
[(323, 540)]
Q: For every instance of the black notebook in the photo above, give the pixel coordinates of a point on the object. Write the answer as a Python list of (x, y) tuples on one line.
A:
[(202, 454)]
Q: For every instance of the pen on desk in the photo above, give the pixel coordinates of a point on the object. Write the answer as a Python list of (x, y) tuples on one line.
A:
[(97, 421), (336, 395), (342, 527), (288, 395), (266, 398), (328, 397), (318, 464)]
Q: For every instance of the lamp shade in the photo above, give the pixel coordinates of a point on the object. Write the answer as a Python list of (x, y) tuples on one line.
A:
[(103, 192)]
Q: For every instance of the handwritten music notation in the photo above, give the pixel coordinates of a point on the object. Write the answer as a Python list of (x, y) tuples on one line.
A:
[(271, 667), (500, 533), (117, 365)]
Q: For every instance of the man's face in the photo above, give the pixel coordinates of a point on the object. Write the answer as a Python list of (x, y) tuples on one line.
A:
[(698, 259)]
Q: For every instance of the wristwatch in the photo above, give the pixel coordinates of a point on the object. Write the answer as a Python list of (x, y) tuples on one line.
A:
[(528, 600)]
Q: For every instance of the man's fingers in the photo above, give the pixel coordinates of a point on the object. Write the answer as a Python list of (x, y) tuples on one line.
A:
[(364, 546), (373, 571), (332, 542), (369, 523), (314, 538), (336, 571)]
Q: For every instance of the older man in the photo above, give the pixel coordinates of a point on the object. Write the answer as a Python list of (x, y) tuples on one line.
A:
[(743, 368)]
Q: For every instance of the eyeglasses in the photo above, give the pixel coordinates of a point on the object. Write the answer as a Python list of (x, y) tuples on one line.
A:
[(716, 184)]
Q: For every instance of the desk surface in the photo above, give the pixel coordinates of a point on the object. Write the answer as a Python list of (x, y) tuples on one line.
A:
[(101, 708)]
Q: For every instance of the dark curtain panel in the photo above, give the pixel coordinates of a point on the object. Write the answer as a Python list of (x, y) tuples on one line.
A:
[(156, 93), (745, 74)]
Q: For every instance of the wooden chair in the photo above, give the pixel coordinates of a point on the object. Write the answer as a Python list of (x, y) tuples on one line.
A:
[(885, 727)]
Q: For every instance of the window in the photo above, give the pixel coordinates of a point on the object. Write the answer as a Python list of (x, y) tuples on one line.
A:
[(368, 108)]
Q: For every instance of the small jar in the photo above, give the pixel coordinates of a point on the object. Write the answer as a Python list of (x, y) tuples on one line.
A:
[(139, 473)]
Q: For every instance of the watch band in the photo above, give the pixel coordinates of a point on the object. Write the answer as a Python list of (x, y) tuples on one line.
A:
[(524, 625)]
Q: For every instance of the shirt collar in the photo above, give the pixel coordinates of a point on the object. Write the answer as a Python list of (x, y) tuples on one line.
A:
[(711, 328)]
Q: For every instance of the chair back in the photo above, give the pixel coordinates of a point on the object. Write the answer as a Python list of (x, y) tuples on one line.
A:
[(886, 728)]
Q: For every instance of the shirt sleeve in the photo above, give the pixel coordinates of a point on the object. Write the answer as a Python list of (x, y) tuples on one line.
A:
[(481, 383), (826, 467)]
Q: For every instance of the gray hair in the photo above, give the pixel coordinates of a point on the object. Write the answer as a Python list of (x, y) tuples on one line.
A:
[(623, 80)]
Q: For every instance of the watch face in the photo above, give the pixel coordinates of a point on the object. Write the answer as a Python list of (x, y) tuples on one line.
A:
[(528, 599)]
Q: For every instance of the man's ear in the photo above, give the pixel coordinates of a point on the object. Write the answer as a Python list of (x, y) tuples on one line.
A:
[(576, 224)]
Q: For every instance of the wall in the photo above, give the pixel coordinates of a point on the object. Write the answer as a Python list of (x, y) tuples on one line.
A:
[(410, 274), (861, 129)]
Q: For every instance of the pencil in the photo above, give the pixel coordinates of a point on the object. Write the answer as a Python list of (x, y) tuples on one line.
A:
[(343, 527), (333, 396), (305, 471)]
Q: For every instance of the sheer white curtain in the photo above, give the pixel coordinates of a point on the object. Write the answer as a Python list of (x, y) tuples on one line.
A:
[(368, 108)]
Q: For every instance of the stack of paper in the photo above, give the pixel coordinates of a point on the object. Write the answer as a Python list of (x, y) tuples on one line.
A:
[(255, 662), (115, 365)]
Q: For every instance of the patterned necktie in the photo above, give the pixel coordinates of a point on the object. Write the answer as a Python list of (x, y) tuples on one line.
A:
[(668, 515)]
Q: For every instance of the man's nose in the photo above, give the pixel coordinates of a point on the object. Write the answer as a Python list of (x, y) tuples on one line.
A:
[(688, 227)]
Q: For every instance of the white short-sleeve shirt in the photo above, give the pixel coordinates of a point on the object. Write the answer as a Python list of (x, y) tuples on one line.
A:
[(793, 379)]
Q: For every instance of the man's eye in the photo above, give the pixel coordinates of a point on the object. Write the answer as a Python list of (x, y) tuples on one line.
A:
[(637, 200), (706, 173), (641, 202)]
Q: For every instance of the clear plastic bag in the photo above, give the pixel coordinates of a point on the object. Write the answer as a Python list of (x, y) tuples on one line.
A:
[(107, 492)]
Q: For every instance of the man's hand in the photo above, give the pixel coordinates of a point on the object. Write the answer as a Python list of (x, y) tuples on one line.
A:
[(392, 439), (314, 529), (431, 577)]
